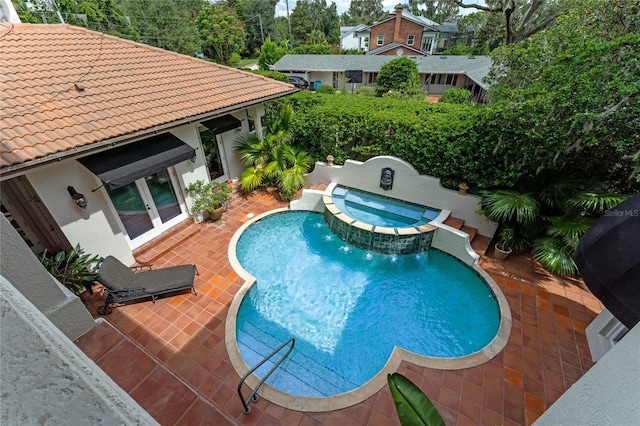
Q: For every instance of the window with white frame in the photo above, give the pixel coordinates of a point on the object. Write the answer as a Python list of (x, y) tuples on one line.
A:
[(410, 40), (380, 39)]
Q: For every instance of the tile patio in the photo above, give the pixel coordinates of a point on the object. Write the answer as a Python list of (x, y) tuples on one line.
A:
[(171, 356)]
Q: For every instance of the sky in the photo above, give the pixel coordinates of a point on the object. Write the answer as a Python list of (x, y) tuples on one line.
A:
[(343, 5)]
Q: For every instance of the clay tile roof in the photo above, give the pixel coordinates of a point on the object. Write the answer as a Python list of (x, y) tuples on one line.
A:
[(129, 89)]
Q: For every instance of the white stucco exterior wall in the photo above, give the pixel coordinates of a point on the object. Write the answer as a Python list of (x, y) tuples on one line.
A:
[(21, 268), (46, 379), (608, 394), (94, 228)]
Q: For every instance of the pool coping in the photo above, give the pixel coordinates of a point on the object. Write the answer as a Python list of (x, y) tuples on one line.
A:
[(347, 399)]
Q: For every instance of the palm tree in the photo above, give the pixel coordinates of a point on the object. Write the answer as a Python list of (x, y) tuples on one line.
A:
[(551, 220), (270, 158)]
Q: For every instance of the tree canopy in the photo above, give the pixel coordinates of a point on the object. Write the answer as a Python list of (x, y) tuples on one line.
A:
[(363, 12), (310, 15), (520, 18), (400, 74), (258, 17), (575, 91), (221, 31)]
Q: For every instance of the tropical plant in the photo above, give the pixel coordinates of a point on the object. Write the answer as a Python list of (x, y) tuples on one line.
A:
[(73, 269), (270, 158), (326, 89), (550, 220), (412, 405), (208, 196)]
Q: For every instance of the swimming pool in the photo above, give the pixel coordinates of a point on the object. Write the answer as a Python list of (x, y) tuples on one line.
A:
[(350, 309)]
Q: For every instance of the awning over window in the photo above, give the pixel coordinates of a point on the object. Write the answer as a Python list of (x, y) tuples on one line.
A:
[(123, 165), (222, 124)]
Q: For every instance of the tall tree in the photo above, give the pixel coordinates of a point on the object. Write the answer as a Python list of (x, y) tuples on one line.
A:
[(270, 53), (363, 12), (310, 15), (167, 24), (221, 31), (97, 15), (574, 90), (436, 10), (522, 18), (258, 17)]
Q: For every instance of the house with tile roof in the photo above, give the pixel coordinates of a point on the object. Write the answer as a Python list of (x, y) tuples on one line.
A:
[(126, 125), (437, 73)]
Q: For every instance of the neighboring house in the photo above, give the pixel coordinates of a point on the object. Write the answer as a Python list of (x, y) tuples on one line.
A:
[(402, 33), (350, 39), (127, 125), (437, 73)]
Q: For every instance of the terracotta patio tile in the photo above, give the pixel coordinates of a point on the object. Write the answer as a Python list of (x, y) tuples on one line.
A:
[(127, 364), (534, 403), (202, 413)]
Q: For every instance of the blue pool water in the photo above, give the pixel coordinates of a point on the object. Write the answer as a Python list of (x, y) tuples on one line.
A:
[(347, 308), (381, 211)]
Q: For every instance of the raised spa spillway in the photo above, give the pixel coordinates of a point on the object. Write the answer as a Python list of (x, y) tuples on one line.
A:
[(377, 223)]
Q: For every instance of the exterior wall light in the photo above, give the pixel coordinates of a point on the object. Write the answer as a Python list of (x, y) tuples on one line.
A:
[(77, 197)]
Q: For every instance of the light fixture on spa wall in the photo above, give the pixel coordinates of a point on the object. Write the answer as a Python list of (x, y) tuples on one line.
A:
[(77, 197)]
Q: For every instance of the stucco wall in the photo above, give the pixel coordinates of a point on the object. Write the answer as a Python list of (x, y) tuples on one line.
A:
[(97, 228), (608, 394), (408, 185), (94, 228), (21, 268), (46, 379)]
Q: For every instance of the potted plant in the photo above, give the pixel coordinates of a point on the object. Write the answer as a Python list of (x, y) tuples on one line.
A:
[(208, 199), (74, 270), (503, 247)]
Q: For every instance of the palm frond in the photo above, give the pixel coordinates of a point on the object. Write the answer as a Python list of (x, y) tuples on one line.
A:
[(558, 189), (506, 205), (569, 230), (555, 256), (251, 178), (412, 405), (250, 149), (594, 203)]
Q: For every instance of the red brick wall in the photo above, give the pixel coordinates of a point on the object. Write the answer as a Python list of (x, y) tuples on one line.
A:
[(407, 28)]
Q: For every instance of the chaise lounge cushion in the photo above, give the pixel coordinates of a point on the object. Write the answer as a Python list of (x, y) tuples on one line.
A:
[(117, 277)]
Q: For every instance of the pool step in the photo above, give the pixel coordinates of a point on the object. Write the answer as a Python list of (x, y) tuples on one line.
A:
[(298, 373), (479, 243)]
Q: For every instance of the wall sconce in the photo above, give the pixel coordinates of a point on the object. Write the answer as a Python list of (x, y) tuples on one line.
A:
[(77, 197)]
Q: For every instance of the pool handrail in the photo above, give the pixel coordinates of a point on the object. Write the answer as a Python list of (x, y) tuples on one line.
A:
[(254, 395)]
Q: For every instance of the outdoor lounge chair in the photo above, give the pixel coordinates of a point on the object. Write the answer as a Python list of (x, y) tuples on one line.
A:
[(123, 284)]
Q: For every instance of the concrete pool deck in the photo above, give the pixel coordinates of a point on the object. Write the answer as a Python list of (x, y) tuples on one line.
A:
[(171, 356)]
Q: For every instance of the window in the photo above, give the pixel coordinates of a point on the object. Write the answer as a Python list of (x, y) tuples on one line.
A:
[(380, 40), (452, 79), (433, 78), (410, 40), (373, 77), (366, 42)]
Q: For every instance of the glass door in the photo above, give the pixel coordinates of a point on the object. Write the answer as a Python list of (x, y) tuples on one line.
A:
[(148, 207)]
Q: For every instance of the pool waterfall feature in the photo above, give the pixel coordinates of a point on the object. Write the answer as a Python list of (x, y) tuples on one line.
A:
[(411, 233)]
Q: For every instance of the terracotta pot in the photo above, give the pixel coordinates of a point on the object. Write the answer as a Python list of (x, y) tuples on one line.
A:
[(501, 254), (216, 214)]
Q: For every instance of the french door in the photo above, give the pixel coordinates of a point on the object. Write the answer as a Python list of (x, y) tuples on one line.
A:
[(149, 206)]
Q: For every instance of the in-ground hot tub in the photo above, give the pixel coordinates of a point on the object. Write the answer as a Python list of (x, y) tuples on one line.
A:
[(378, 223)]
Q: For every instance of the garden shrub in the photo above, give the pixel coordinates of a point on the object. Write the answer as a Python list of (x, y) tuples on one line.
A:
[(445, 140), (367, 91), (328, 90), (456, 96), (276, 75)]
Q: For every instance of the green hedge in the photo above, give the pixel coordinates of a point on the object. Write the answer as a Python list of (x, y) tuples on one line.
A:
[(454, 142)]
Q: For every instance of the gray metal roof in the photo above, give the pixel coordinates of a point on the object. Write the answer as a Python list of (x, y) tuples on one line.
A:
[(475, 67)]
